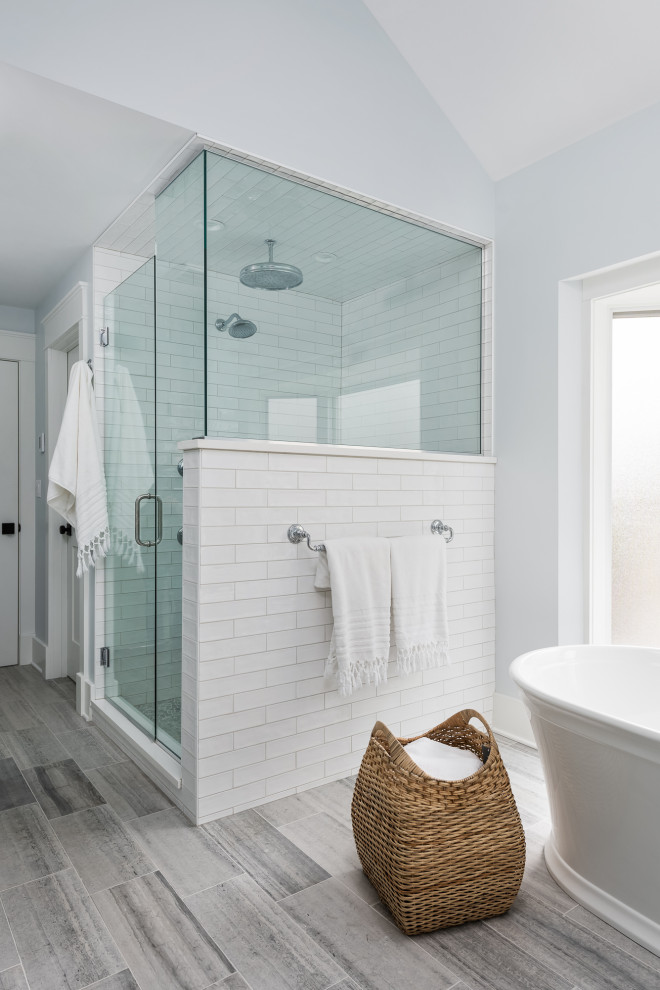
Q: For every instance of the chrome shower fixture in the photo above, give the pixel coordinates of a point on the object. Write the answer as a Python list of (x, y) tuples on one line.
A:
[(271, 274), (236, 326)]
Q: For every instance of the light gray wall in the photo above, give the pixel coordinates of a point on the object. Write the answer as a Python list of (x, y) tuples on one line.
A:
[(16, 319), (81, 272), (590, 206), (313, 84)]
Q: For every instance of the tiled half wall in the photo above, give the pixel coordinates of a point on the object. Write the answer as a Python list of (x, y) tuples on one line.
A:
[(259, 719)]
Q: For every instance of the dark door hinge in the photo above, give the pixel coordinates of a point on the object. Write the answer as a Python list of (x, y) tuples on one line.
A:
[(105, 656)]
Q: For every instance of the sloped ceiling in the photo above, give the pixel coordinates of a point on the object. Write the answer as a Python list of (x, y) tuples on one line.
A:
[(69, 164), (521, 79)]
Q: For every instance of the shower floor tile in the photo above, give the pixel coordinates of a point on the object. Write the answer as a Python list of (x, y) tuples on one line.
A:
[(271, 899), (169, 715)]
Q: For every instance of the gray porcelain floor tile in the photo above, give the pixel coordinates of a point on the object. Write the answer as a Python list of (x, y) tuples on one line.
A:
[(333, 798), (101, 848), (28, 847), (59, 934), (278, 866), (358, 883), (162, 942), (486, 961), (189, 858), (233, 982), (538, 881), (14, 790), (66, 687), (326, 840), (128, 790), (264, 945), (120, 981), (32, 747), (62, 788), (580, 916), (349, 985), (90, 748), (575, 953), (33, 688), (8, 953), (368, 947), (15, 713), (61, 717), (13, 979)]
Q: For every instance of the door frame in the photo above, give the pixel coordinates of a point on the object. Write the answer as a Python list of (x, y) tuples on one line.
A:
[(21, 347), (66, 325)]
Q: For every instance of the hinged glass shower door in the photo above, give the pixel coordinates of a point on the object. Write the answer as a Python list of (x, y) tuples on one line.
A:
[(154, 397)]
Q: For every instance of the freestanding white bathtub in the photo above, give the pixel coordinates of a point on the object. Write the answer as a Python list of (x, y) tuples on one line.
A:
[(595, 713)]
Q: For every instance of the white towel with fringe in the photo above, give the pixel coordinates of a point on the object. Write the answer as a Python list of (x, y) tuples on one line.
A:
[(358, 574), (76, 482), (419, 602), (129, 454)]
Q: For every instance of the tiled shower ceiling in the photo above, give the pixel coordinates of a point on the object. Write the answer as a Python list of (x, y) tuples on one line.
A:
[(246, 205)]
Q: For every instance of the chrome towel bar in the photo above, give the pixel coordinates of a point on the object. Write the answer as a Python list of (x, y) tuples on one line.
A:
[(297, 534)]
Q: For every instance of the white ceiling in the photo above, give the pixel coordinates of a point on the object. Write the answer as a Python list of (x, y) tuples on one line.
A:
[(69, 164), (521, 79), (518, 79)]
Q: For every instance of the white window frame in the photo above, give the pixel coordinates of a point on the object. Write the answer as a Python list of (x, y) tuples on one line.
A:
[(640, 298)]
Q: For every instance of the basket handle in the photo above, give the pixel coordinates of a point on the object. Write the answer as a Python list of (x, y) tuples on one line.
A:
[(470, 713), (384, 737)]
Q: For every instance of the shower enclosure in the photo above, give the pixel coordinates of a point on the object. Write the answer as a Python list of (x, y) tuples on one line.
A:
[(363, 328)]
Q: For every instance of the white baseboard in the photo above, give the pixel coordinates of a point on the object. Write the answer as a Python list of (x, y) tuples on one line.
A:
[(510, 718), (38, 655), (25, 649), (84, 696)]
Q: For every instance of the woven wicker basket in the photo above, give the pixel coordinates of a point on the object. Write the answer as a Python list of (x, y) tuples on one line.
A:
[(438, 852)]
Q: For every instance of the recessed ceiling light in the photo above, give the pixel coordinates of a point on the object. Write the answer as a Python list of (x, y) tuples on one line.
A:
[(324, 257)]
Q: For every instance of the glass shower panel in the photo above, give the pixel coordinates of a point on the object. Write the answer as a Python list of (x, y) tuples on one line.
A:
[(379, 345), (180, 410), (129, 438)]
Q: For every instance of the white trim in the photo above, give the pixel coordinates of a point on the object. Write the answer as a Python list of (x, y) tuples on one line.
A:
[(511, 719), (21, 347), (64, 326), (329, 450), (38, 655), (621, 916), (601, 310), (62, 317), (160, 766)]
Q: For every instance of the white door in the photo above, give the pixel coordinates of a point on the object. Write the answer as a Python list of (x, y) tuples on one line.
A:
[(9, 513), (74, 586)]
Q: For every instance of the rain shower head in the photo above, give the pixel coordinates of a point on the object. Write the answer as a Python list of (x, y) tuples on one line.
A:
[(271, 274), (236, 326)]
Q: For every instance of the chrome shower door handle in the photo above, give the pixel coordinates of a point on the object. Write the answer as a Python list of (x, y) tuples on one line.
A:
[(159, 520)]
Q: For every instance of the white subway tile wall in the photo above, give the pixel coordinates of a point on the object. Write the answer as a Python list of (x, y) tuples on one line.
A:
[(256, 632), (411, 361)]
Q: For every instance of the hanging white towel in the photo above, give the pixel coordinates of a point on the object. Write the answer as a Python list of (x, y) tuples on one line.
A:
[(76, 482), (358, 574), (419, 602)]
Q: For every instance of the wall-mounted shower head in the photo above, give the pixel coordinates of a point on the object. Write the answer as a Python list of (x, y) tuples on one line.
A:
[(271, 274), (236, 326)]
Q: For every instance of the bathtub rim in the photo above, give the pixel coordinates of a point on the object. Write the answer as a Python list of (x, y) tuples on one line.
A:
[(594, 723)]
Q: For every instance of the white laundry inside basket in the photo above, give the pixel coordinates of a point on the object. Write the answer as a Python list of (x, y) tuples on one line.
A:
[(442, 761)]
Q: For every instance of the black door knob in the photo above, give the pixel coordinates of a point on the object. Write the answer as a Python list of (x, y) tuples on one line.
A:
[(8, 529), (66, 530)]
